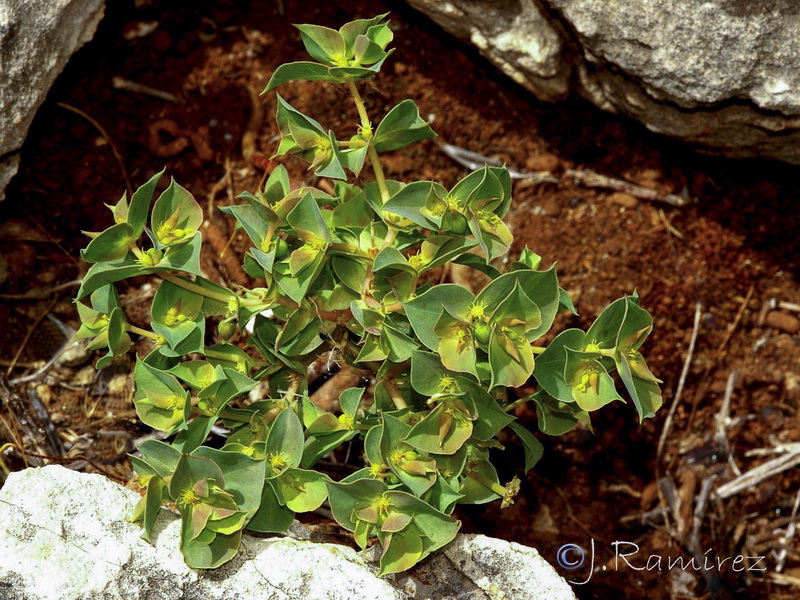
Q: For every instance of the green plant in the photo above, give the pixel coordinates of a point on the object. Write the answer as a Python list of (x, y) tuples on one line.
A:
[(347, 273)]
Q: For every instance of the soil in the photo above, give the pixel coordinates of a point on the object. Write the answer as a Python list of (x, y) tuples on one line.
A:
[(734, 252)]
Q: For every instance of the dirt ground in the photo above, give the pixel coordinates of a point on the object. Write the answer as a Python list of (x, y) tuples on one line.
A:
[(732, 256)]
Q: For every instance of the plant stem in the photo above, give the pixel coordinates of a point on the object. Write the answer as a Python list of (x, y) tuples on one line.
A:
[(488, 483), (232, 357), (135, 249), (394, 394), (379, 176), (538, 349), (353, 144), (143, 332), (518, 402), (193, 287), (371, 152), (362, 111), (210, 294)]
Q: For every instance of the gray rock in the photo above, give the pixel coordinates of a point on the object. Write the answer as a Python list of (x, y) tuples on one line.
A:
[(65, 537), (722, 75), (36, 40)]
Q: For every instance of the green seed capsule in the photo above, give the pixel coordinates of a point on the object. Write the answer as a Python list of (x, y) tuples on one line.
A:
[(482, 333), (459, 226), (226, 329), (281, 249)]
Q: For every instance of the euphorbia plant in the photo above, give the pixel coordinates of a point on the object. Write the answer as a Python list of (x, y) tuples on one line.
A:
[(347, 273)]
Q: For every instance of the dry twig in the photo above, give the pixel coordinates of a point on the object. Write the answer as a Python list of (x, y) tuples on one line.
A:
[(758, 474), (698, 311), (592, 179), (107, 138)]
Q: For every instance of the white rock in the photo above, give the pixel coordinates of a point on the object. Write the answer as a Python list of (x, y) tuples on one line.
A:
[(65, 537), (37, 39)]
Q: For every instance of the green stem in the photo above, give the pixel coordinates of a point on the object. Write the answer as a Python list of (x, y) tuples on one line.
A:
[(394, 394), (379, 176), (210, 294), (362, 111), (135, 249), (232, 357), (231, 416), (488, 483), (193, 287), (518, 402), (366, 127), (143, 332), (352, 144), (538, 349)]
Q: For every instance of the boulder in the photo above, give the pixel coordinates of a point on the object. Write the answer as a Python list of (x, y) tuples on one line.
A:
[(66, 537), (721, 75), (36, 41)]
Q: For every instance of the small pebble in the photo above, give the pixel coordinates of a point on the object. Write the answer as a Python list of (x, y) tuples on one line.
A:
[(782, 321), (625, 200), (75, 355), (542, 162)]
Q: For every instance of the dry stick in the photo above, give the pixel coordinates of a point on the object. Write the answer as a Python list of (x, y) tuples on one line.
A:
[(592, 179), (121, 83), (787, 538), (723, 344), (758, 474), (105, 135), (698, 311), (41, 293), (723, 420)]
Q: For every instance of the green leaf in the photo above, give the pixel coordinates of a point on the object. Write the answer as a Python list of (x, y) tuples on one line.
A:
[(541, 287), (244, 476), (443, 431), (102, 274), (347, 498), (271, 516), (428, 375), (400, 127), (533, 448), (285, 440), (160, 400), (424, 311), (140, 205), (416, 471), (211, 550), (192, 469), (162, 457), (555, 417), (112, 244), (175, 311), (300, 490), (644, 392), (456, 344), (551, 364), (350, 31), (323, 44), (401, 551), (592, 386), (307, 71), (306, 219), (510, 357), (152, 505), (412, 200), (176, 216)]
